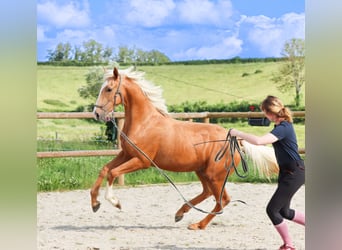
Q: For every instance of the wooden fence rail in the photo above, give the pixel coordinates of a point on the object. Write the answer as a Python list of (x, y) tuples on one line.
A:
[(203, 115)]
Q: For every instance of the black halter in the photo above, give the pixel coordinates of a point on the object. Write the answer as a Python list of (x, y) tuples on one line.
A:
[(118, 92)]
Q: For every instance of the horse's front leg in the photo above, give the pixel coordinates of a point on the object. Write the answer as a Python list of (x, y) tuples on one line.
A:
[(94, 192), (132, 165)]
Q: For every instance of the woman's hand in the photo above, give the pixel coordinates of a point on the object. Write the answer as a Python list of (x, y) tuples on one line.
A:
[(234, 132)]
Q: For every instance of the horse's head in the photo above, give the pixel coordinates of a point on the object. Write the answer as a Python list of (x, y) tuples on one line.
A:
[(109, 96)]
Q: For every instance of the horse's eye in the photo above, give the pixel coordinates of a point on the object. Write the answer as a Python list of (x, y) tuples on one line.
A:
[(109, 90)]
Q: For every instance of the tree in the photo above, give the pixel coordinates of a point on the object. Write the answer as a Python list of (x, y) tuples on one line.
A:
[(157, 57), (291, 74), (62, 52), (94, 81), (92, 52), (107, 55), (125, 55), (77, 53), (141, 56)]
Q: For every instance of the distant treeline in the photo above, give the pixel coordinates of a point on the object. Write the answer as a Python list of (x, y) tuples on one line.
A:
[(189, 62), (93, 53), (226, 61)]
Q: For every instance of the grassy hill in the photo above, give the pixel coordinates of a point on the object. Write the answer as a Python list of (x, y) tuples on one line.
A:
[(57, 86), (216, 83)]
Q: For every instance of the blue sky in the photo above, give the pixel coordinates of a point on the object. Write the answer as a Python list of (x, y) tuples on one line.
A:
[(181, 29)]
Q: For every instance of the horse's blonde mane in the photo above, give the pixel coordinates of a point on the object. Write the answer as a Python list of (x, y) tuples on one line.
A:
[(153, 92)]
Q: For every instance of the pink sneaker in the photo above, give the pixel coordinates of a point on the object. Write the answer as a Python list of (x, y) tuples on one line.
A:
[(286, 247)]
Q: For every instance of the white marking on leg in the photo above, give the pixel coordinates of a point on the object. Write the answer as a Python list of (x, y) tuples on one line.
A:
[(110, 197)]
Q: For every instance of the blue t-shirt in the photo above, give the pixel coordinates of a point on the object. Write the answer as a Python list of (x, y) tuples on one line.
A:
[(286, 148)]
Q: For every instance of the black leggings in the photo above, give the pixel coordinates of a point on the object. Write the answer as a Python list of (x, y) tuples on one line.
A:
[(291, 178)]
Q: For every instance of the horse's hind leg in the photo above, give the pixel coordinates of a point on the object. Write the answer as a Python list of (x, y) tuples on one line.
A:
[(216, 187), (199, 198)]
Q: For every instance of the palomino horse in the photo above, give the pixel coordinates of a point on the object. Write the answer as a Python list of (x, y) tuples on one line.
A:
[(171, 144)]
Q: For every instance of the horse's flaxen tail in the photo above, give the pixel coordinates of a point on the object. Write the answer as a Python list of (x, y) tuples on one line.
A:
[(263, 159)]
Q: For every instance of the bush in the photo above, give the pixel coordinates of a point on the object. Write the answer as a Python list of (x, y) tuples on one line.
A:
[(202, 106)]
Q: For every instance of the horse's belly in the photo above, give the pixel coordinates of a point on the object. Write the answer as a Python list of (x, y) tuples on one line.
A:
[(179, 161), (180, 167)]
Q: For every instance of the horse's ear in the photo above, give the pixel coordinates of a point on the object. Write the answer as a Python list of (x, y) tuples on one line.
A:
[(115, 73)]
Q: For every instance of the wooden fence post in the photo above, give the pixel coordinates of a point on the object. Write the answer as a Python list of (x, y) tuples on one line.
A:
[(121, 122)]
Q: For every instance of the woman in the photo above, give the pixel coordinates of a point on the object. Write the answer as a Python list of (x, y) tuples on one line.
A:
[(291, 166)]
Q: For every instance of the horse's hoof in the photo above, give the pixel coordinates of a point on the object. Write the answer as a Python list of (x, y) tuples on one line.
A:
[(96, 207), (118, 205), (195, 226), (178, 218)]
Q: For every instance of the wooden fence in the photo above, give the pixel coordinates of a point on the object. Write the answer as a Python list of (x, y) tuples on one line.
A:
[(206, 116)]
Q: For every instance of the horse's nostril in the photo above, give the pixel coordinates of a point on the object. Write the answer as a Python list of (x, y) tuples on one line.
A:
[(97, 116)]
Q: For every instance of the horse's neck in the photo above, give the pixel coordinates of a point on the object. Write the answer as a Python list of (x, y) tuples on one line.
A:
[(138, 109)]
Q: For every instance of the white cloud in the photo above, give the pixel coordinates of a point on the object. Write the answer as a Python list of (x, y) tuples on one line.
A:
[(229, 47), (294, 25), (262, 22), (149, 13), (205, 11), (268, 41), (108, 32), (41, 34), (104, 35), (270, 34), (74, 37), (69, 15)]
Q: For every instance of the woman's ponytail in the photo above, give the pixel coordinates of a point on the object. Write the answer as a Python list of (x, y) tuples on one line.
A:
[(287, 114), (274, 105)]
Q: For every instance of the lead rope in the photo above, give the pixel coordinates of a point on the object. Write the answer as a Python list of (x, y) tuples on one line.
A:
[(233, 145)]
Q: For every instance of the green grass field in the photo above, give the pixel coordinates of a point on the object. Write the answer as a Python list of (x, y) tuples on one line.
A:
[(214, 83), (57, 86)]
